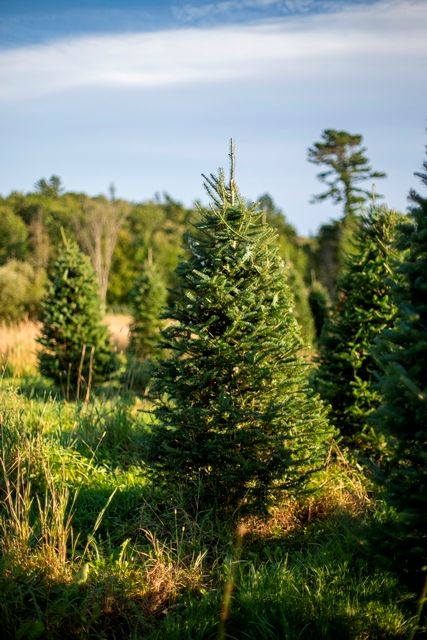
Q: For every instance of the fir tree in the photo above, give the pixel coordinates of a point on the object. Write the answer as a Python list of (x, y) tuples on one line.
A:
[(403, 414), (240, 420), (148, 298), (74, 343), (346, 374)]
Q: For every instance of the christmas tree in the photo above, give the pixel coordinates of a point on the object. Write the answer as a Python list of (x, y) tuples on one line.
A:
[(148, 298), (75, 348), (346, 377), (403, 413), (237, 421)]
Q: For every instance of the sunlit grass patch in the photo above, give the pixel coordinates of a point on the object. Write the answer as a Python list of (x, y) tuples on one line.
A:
[(18, 345)]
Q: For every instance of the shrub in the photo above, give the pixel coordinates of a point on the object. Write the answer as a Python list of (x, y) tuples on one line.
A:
[(320, 302), (21, 290)]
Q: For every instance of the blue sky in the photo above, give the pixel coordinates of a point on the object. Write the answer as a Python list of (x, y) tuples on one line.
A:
[(147, 94)]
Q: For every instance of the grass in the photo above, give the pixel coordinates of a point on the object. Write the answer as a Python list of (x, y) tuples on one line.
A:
[(91, 548), (18, 346)]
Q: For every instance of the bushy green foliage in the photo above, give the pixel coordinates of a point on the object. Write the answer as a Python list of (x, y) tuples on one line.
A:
[(21, 290), (296, 260), (13, 236), (346, 374), (148, 299), (302, 308), (75, 343), (240, 421), (403, 414)]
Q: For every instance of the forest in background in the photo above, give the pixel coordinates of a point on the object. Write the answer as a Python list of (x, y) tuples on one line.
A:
[(119, 237)]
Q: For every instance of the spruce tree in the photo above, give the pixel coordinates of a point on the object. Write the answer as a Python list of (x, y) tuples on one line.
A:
[(74, 343), (148, 298), (346, 377), (403, 414), (237, 420)]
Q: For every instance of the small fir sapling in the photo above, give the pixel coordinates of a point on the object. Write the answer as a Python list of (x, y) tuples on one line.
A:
[(75, 348), (148, 299), (320, 304)]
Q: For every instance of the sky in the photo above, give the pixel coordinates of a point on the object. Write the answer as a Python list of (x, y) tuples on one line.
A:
[(147, 94)]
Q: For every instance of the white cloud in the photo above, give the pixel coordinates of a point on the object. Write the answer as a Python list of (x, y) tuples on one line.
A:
[(381, 34)]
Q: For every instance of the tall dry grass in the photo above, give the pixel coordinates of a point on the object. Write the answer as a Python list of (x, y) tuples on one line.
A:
[(18, 346)]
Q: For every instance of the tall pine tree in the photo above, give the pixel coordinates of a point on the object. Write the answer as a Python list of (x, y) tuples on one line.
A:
[(237, 419), (346, 167), (346, 377)]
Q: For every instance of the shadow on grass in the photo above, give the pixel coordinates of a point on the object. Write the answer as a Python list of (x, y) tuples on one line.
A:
[(39, 388), (34, 606), (319, 582)]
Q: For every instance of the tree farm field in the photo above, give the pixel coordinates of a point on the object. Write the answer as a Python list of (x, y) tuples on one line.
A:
[(240, 453), (177, 475)]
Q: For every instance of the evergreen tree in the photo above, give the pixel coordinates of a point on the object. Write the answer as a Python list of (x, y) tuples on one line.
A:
[(237, 419), (347, 166), (403, 413), (74, 343), (320, 303), (296, 260), (148, 299), (346, 374)]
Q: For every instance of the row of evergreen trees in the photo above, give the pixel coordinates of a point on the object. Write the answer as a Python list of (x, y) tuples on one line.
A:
[(237, 418)]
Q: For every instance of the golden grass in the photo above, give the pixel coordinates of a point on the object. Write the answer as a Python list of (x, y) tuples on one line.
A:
[(18, 346), (119, 324)]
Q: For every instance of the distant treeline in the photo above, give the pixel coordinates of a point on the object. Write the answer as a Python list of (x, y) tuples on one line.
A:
[(120, 236)]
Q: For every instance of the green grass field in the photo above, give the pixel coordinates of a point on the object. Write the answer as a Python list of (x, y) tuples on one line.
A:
[(91, 549)]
